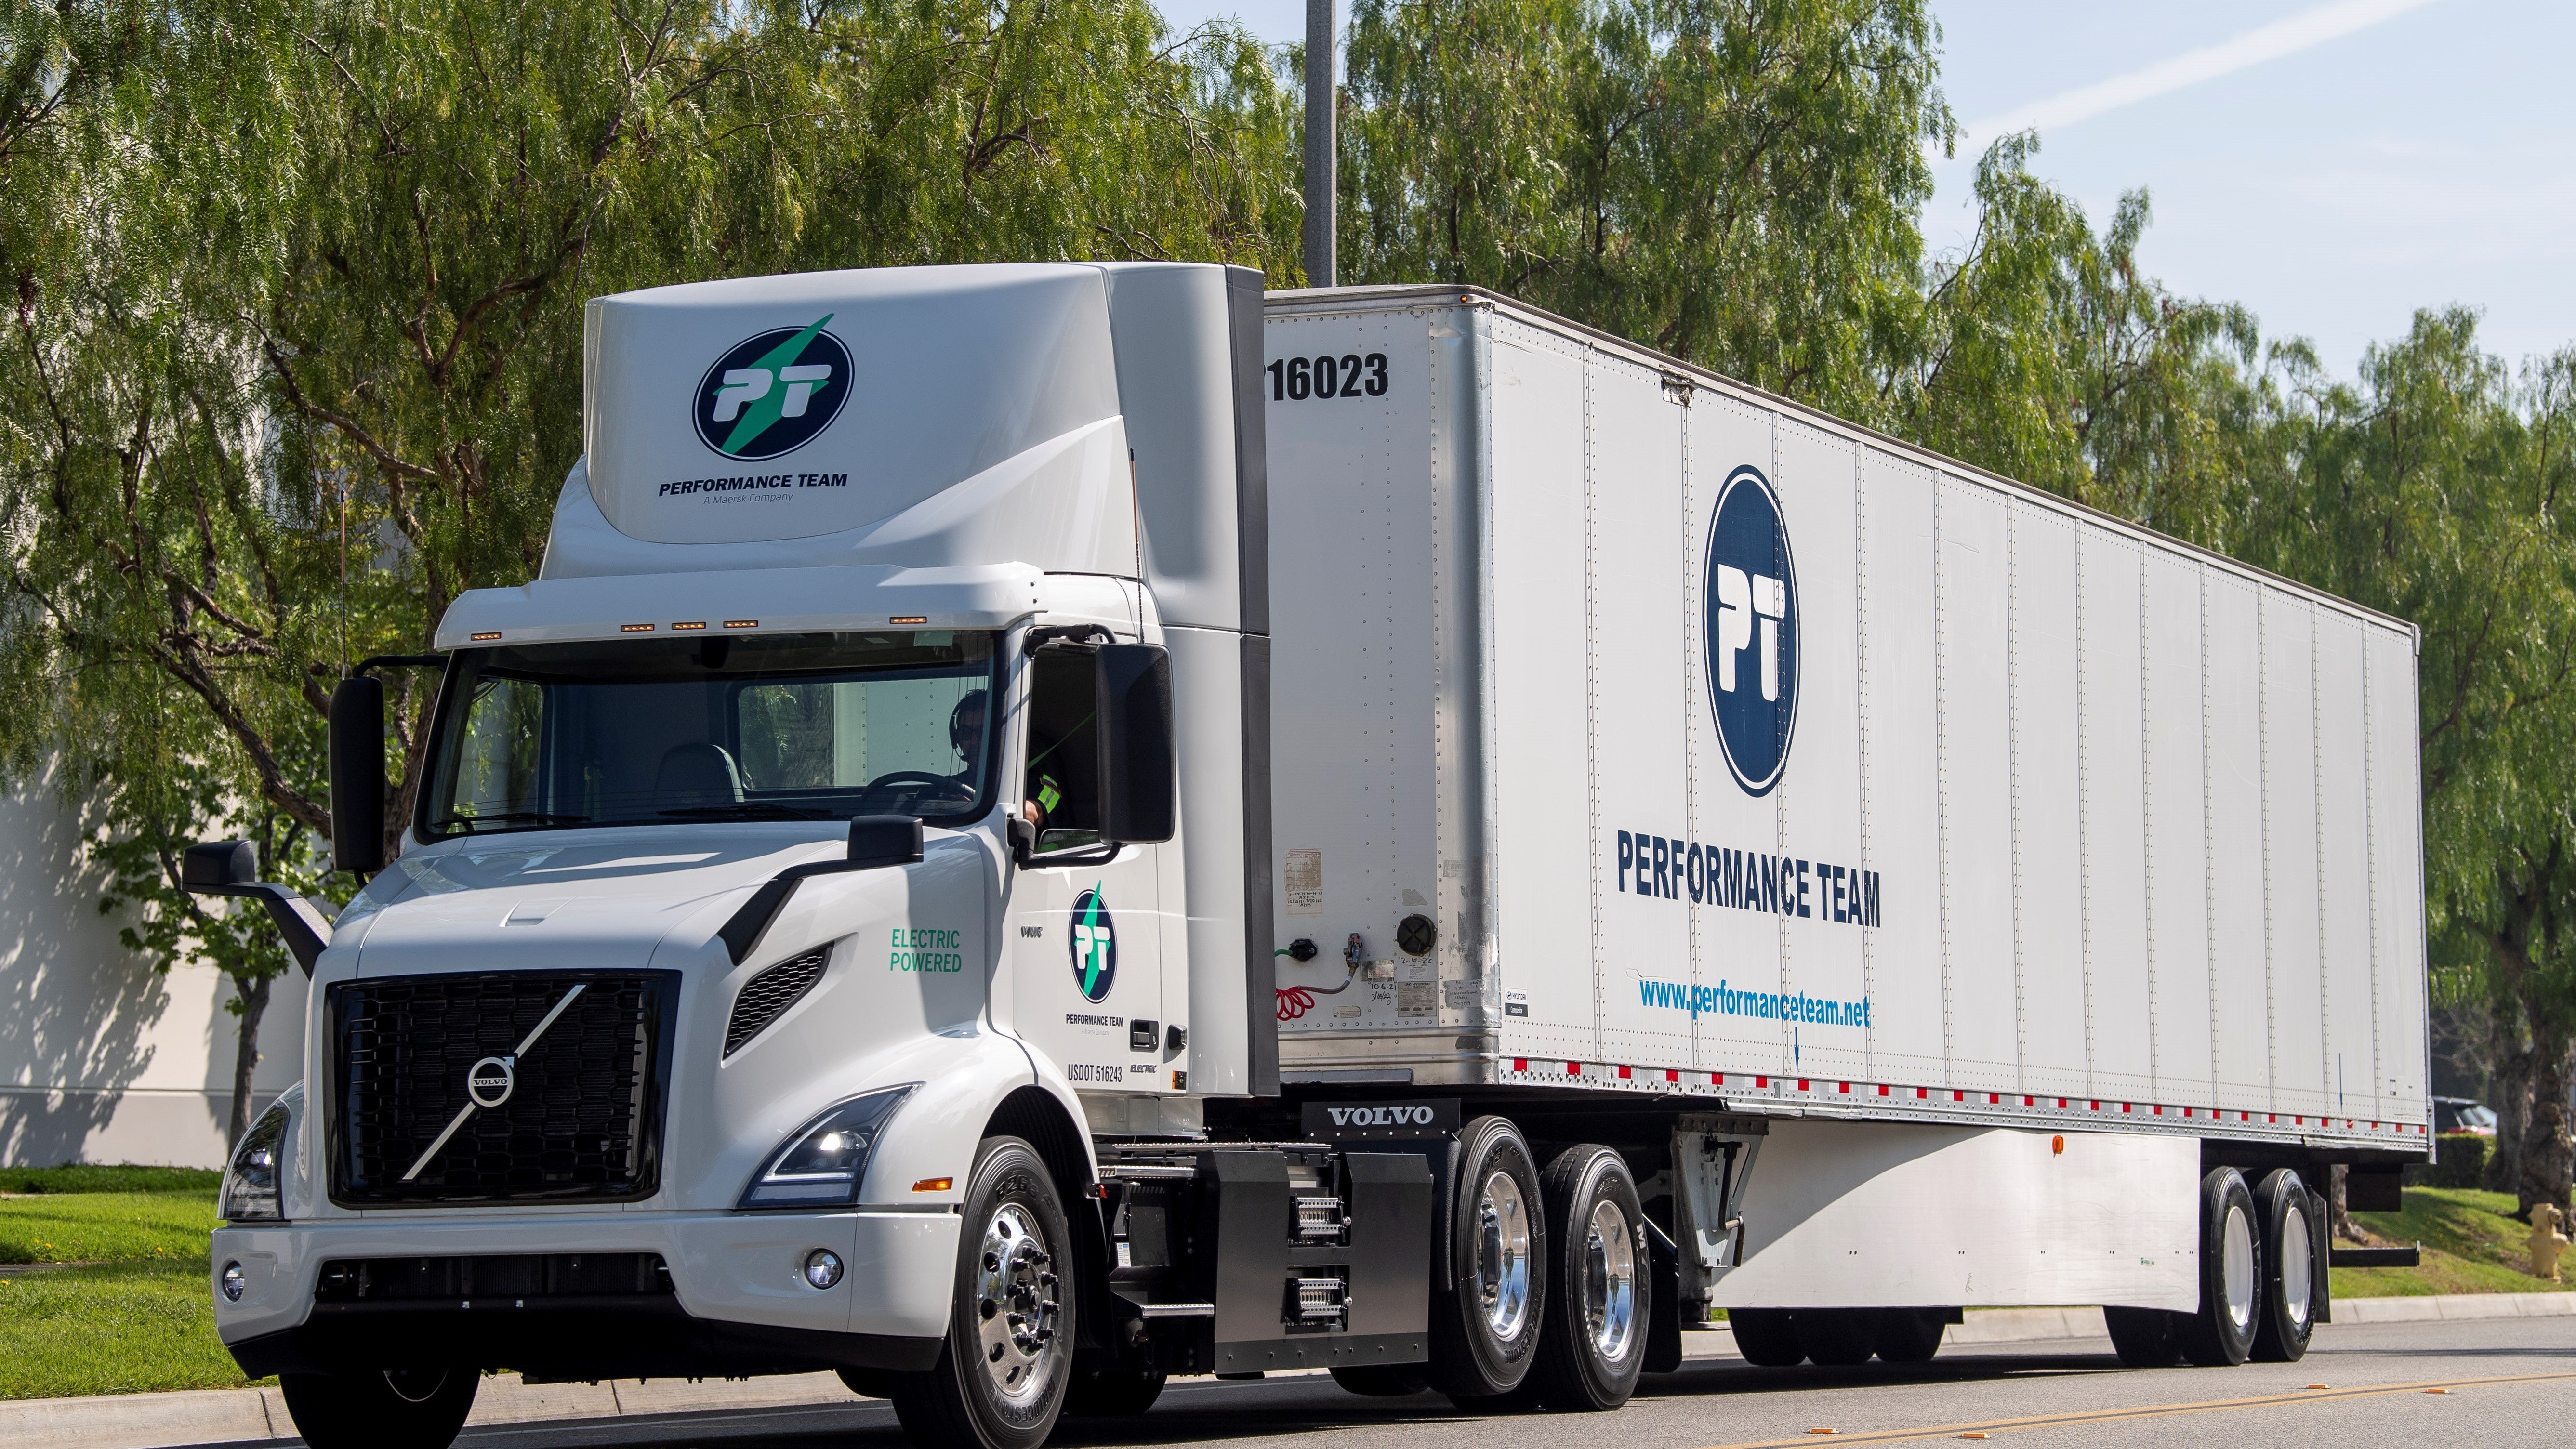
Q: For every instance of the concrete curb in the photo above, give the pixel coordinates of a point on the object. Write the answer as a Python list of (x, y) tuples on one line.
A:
[(254, 1416)]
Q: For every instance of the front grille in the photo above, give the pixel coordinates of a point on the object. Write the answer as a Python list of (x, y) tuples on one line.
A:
[(767, 996), (580, 1119), (516, 1276)]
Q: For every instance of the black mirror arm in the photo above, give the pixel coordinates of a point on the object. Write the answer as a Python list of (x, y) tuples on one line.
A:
[(303, 925)]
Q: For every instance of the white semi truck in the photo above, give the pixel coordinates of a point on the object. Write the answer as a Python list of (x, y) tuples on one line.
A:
[(1043, 827)]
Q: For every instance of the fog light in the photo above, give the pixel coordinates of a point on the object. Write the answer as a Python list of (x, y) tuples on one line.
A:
[(232, 1282), (822, 1268)]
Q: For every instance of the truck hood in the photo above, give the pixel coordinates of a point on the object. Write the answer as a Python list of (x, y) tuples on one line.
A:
[(582, 899)]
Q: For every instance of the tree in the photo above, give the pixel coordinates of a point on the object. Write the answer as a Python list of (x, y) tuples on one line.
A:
[(299, 290)]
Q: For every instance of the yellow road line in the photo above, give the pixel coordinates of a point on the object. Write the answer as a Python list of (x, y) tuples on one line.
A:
[(2146, 1411)]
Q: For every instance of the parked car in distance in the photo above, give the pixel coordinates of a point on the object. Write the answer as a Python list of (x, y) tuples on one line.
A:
[(2459, 1114)]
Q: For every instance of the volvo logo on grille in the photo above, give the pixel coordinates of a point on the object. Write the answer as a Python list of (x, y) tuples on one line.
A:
[(491, 1080)]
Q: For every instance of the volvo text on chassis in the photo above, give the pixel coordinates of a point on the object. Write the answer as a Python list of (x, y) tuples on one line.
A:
[(1045, 827)]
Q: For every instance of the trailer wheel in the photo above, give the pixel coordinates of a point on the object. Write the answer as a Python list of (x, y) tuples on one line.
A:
[(1382, 1380), (2287, 1314), (1111, 1393), (2144, 1337), (1002, 1371), (1766, 1336), (1910, 1335), (1592, 1342), (1837, 1337), (387, 1409), (1485, 1329), (2221, 1334)]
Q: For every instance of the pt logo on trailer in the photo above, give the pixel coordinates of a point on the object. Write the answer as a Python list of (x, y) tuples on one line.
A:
[(772, 393), (1752, 630), (1095, 945)]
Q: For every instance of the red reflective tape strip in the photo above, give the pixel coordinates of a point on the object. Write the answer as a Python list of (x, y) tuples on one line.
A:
[(1520, 1064), (1623, 1071)]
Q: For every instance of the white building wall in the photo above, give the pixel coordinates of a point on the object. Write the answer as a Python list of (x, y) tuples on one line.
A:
[(101, 1059)]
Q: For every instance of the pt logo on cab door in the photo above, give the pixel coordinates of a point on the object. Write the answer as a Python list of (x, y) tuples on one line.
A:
[(1095, 945), (774, 392), (1752, 630)]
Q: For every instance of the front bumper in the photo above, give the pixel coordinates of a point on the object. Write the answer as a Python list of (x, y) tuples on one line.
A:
[(739, 1302)]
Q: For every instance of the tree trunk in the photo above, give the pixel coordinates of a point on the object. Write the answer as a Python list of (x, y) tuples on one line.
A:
[(2339, 1223), (2512, 1102), (2548, 1153), (254, 1004)]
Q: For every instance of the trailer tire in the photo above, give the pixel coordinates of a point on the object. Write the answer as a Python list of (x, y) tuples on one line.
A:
[(993, 1387), (2221, 1334), (381, 1409), (2286, 1316), (1910, 1335), (1112, 1393), (1485, 1327), (2144, 1337), (1382, 1380), (1600, 1294), (1766, 1336), (1837, 1337)]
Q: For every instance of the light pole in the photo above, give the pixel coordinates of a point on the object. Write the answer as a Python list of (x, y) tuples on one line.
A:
[(1320, 149)]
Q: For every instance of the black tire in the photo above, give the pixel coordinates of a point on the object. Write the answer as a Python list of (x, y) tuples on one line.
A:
[(2285, 1314), (1600, 1293), (389, 1409), (1766, 1336), (1112, 1393), (2221, 1334), (1837, 1337), (1002, 1372), (1485, 1329), (1911, 1335), (1383, 1380), (2144, 1337)]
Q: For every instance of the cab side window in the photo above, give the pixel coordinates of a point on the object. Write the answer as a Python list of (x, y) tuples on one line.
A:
[(1061, 785)]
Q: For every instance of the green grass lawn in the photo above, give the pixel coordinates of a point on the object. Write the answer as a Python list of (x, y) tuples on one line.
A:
[(2471, 1245), (141, 1317)]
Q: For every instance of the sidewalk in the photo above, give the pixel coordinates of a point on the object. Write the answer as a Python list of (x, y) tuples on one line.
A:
[(813, 1401)]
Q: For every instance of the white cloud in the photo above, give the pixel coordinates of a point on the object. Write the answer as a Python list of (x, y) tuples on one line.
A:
[(2307, 29)]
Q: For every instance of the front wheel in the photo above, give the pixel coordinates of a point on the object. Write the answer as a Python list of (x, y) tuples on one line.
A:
[(1001, 1376), (1485, 1329), (387, 1409)]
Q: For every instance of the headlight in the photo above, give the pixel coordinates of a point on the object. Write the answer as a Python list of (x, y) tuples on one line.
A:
[(258, 1169), (821, 1164)]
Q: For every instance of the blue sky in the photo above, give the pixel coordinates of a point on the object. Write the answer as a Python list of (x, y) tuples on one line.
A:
[(2332, 164)]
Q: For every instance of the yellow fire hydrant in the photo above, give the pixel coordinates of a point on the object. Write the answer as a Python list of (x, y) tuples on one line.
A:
[(2546, 1242)]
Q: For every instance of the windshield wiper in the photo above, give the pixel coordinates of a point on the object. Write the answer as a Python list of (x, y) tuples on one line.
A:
[(752, 810), (511, 817)]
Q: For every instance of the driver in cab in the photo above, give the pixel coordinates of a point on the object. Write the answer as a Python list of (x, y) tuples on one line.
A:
[(966, 736)]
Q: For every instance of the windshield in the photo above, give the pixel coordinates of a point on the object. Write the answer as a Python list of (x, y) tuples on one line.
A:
[(736, 727)]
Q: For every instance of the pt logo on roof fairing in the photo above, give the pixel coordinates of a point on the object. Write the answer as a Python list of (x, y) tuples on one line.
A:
[(1095, 945), (772, 393), (1752, 630)]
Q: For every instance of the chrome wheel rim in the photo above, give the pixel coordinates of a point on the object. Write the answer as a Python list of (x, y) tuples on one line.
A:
[(1503, 1255), (1015, 1303), (2236, 1266), (1609, 1282), (2297, 1263)]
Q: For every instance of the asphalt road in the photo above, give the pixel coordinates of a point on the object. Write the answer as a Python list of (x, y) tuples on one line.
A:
[(2484, 1383)]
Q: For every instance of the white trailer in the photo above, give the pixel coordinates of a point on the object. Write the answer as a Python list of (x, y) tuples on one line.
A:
[(1045, 827)]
